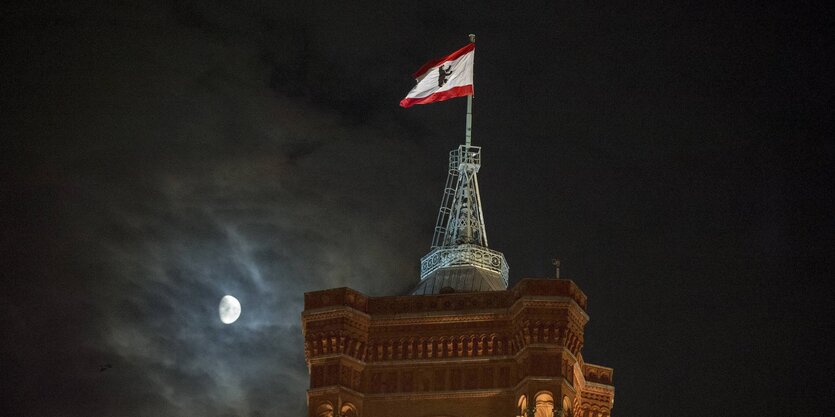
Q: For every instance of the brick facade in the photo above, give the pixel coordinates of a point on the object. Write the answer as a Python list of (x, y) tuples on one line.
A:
[(474, 354)]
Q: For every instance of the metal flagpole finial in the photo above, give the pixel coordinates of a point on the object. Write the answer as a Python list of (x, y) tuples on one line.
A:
[(472, 38)]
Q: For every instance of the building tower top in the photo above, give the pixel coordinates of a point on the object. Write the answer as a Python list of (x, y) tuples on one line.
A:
[(459, 259)]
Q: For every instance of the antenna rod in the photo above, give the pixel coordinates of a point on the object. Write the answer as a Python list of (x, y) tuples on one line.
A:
[(469, 132)]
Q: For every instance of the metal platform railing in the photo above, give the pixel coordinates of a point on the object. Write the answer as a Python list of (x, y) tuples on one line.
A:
[(464, 255)]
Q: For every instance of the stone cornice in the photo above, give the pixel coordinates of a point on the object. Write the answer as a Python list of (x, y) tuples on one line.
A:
[(429, 395), (517, 357), (318, 360), (549, 302), (445, 361), (439, 317), (528, 287), (591, 365), (449, 316), (333, 389), (442, 395), (332, 311), (533, 347), (529, 379), (598, 387)]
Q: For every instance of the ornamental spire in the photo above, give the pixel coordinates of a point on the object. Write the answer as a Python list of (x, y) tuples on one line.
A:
[(459, 259)]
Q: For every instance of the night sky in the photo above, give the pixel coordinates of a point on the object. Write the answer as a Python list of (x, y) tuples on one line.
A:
[(155, 156)]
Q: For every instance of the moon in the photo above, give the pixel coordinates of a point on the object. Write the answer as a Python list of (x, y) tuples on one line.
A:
[(229, 309)]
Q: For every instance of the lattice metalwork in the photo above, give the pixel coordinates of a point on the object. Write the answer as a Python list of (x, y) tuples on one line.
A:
[(464, 255), (460, 219), (460, 238)]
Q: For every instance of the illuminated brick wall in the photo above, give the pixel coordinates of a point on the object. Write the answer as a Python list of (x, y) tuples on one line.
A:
[(461, 355)]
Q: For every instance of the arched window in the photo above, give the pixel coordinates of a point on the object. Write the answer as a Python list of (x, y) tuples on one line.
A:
[(522, 406), (566, 407), (324, 410), (544, 404), (348, 410)]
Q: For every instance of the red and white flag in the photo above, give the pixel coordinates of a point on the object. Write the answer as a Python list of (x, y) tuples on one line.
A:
[(443, 78)]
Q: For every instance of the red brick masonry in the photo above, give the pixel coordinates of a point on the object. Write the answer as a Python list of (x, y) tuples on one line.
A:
[(459, 355)]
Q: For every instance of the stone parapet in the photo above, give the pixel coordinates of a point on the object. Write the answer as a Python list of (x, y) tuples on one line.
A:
[(528, 287)]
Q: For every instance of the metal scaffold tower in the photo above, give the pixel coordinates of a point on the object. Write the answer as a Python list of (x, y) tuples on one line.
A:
[(460, 219), (459, 259)]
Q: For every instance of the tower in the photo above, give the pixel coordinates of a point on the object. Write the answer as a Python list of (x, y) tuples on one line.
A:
[(459, 259), (461, 344)]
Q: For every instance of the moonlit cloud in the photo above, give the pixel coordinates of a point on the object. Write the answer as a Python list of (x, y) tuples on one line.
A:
[(190, 176)]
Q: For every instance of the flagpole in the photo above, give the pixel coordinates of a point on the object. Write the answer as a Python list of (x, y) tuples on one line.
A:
[(469, 132), (469, 120)]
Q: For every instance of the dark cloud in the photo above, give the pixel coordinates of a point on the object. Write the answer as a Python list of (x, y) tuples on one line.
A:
[(158, 156), (162, 165)]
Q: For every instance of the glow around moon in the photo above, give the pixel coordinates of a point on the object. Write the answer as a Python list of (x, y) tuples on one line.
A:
[(229, 309)]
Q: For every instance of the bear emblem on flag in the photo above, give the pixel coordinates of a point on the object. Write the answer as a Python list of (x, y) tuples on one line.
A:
[(443, 75)]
